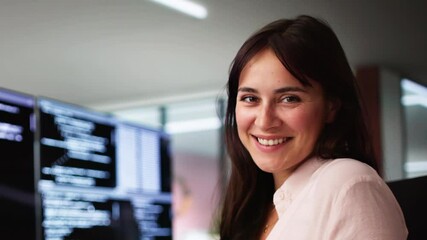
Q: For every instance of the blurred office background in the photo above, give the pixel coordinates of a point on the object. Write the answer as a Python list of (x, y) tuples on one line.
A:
[(163, 68)]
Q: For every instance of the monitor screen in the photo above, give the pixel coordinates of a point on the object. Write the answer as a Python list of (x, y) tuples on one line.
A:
[(101, 178), (144, 176), (77, 145), (17, 199)]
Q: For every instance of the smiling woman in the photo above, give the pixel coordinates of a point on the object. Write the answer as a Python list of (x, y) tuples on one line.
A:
[(278, 119), (302, 161)]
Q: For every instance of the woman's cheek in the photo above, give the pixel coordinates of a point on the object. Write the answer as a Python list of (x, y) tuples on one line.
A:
[(301, 120), (243, 117)]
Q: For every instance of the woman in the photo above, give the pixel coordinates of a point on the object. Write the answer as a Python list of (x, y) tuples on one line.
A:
[(302, 164)]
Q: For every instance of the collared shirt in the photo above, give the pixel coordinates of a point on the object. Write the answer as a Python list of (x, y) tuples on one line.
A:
[(340, 199)]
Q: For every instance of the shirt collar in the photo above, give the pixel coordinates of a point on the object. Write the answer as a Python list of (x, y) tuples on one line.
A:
[(285, 194)]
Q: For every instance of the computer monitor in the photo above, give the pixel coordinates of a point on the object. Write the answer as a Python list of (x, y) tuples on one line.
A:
[(17, 189), (77, 145), (100, 178), (144, 176)]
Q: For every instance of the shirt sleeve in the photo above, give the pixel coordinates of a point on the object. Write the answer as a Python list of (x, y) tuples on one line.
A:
[(366, 209)]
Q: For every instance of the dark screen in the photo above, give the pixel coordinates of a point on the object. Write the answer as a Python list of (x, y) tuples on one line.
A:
[(77, 146), (17, 200), (101, 178)]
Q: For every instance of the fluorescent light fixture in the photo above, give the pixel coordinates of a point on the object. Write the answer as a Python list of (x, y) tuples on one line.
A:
[(185, 6), (196, 125), (413, 100), (413, 87), (416, 166), (417, 93)]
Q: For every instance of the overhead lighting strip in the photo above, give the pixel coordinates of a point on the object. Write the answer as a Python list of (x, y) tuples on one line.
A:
[(417, 94), (196, 125), (185, 6)]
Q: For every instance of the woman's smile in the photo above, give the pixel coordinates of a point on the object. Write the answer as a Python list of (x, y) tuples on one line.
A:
[(271, 142)]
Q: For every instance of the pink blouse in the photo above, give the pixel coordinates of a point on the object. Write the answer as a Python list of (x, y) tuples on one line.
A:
[(337, 199)]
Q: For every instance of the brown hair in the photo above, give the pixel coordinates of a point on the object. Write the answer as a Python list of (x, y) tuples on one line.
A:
[(309, 49)]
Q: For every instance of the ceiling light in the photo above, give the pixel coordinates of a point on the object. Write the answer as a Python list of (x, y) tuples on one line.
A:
[(414, 100), (416, 166), (416, 93), (196, 125), (413, 87), (185, 6)]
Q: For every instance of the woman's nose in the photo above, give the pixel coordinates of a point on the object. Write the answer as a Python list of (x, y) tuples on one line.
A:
[(267, 117)]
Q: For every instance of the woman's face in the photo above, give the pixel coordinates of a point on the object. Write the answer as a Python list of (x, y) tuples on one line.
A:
[(278, 119)]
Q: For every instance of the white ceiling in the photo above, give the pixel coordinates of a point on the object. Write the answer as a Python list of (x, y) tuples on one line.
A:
[(100, 52)]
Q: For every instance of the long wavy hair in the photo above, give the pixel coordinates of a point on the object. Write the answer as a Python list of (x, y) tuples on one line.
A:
[(309, 49)]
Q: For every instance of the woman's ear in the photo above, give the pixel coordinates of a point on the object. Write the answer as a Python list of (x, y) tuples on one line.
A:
[(333, 106)]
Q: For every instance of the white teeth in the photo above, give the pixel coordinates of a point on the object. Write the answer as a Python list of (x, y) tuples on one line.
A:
[(271, 142)]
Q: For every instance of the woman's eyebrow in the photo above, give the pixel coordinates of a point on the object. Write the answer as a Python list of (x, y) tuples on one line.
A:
[(247, 89), (276, 91), (290, 89)]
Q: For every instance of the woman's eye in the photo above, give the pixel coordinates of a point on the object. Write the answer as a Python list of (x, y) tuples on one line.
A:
[(248, 99), (291, 99)]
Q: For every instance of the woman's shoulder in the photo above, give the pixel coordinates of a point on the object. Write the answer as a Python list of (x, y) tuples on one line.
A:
[(349, 167), (340, 172)]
